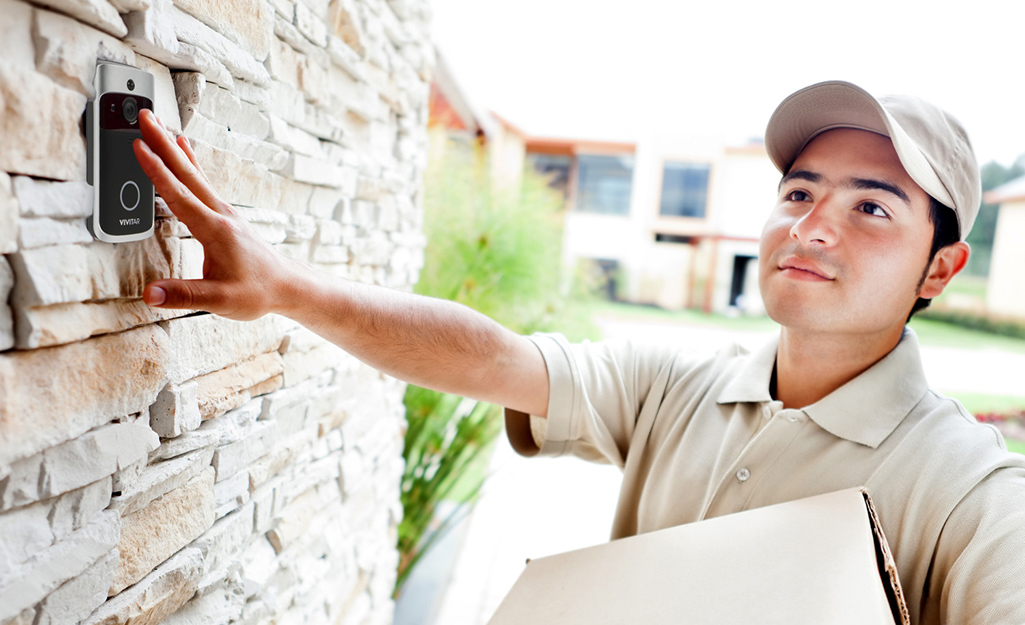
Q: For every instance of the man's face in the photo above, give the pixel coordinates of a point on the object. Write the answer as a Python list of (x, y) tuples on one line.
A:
[(845, 247)]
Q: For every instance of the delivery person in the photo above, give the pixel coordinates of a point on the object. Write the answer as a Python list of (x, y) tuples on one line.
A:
[(876, 199)]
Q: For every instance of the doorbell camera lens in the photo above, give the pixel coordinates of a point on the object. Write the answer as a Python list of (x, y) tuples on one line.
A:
[(130, 108), (131, 85)]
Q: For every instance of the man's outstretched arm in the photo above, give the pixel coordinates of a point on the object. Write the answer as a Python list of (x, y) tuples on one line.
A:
[(429, 342)]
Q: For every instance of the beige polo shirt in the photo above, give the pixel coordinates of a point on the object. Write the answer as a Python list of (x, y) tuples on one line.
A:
[(701, 437)]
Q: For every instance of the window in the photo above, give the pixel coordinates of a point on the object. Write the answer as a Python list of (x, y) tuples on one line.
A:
[(554, 168), (604, 184), (684, 189)]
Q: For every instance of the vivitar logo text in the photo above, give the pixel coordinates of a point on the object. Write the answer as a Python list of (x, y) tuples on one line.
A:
[(135, 221)]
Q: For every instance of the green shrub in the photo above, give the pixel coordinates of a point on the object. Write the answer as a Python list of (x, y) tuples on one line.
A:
[(497, 251)]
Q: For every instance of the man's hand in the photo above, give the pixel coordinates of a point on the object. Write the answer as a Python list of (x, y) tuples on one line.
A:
[(433, 343), (242, 275)]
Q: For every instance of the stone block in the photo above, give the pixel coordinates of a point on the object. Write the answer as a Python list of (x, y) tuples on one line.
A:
[(76, 387), (89, 458), (8, 216), (259, 564), (16, 32), (300, 228), (32, 581), (345, 24), (271, 156), (78, 597), (233, 386), (26, 531), (97, 271), (67, 51), (224, 541), (300, 366), (36, 232), (229, 427), (239, 62), (189, 88), (249, 23), (98, 13), (324, 202), (344, 57), (151, 32), (160, 478), (312, 170), (268, 225), (32, 528), (291, 451), (231, 494), (73, 509), (283, 63), (293, 521), (231, 459), (152, 534), (46, 198), (60, 324), (176, 410), (127, 6), (311, 26), (239, 181), (228, 109), (205, 343), (156, 596), (219, 605), (40, 125), (294, 139)]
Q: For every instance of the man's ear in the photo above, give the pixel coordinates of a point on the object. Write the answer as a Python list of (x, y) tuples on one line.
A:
[(948, 262)]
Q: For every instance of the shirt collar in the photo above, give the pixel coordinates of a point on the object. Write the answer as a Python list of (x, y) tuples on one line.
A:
[(865, 410)]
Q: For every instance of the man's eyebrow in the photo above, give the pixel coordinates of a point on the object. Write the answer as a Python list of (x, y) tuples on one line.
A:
[(868, 184), (882, 185), (799, 174)]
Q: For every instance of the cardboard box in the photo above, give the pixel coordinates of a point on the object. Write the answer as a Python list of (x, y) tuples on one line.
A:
[(818, 560)]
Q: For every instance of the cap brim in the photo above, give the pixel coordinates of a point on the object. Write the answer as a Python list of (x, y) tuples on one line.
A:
[(837, 104)]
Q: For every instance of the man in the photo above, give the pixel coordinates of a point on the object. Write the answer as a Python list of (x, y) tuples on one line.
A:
[(876, 198)]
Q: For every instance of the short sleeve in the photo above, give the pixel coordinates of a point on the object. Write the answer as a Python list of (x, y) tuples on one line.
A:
[(596, 391), (979, 570)]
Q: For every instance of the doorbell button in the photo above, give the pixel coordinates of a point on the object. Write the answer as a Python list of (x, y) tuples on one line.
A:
[(124, 204)]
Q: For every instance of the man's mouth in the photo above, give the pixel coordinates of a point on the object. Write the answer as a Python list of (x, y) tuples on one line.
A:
[(802, 269)]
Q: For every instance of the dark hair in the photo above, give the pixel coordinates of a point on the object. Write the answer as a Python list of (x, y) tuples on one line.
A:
[(945, 232)]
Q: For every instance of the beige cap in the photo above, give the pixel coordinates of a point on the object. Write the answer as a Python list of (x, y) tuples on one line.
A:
[(931, 144)]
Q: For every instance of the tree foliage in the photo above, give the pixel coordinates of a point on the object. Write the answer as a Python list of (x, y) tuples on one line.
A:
[(498, 251)]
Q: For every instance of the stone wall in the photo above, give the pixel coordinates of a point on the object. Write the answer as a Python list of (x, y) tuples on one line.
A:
[(173, 466)]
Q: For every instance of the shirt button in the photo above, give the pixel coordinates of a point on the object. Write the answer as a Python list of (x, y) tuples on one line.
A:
[(743, 474)]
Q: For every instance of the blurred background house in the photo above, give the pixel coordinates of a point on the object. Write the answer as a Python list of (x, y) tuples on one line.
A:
[(671, 221), (1005, 295)]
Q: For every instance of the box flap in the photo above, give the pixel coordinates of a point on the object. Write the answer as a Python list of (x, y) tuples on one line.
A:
[(815, 560)]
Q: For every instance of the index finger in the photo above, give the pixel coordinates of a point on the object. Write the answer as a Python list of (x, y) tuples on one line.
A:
[(183, 203), (161, 143)]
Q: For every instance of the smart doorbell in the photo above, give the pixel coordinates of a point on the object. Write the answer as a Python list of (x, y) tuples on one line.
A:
[(122, 194)]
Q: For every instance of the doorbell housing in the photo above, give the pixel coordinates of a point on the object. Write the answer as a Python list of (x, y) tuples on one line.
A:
[(122, 194)]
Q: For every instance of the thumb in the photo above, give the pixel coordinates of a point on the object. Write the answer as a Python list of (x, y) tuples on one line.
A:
[(191, 294)]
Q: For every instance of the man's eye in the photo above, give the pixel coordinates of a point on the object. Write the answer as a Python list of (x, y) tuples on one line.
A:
[(797, 196), (871, 208)]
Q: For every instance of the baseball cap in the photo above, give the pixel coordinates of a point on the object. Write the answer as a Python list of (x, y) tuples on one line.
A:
[(931, 144)]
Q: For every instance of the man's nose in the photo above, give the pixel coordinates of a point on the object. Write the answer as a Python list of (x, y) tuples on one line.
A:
[(817, 226)]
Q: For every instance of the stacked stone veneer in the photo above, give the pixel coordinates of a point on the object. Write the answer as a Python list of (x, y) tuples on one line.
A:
[(173, 466)]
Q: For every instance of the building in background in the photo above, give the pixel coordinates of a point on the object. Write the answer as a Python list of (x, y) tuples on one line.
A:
[(669, 221), (1006, 289)]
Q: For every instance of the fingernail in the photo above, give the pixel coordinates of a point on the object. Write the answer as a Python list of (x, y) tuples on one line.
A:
[(157, 296)]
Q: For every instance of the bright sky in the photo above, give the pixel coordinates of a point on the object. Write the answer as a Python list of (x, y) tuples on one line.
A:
[(619, 69)]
